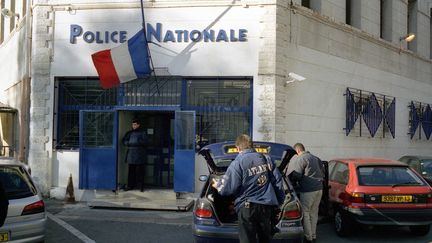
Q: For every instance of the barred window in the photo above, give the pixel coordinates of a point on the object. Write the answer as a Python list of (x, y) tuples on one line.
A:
[(73, 95), (223, 108)]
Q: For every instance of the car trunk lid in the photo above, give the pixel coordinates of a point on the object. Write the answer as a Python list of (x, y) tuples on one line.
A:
[(218, 156)]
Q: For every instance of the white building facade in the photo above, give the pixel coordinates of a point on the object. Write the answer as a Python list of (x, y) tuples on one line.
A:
[(224, 65)]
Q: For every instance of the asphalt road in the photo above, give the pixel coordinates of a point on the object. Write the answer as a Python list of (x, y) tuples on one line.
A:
[(112, 225)]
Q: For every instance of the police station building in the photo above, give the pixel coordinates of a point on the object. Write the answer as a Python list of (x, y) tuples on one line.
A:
[(338, 76)]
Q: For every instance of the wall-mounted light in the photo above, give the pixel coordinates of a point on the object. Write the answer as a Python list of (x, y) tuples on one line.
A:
[(8, 13), (408, 38)]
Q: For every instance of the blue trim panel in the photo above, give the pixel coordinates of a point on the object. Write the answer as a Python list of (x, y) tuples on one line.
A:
[(98, 165)]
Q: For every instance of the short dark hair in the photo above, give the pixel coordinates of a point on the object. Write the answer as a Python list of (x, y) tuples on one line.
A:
[(299, 146), (136, 120), (243, 142)]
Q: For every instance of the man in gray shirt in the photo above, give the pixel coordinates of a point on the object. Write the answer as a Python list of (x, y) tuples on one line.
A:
[(307, 171)]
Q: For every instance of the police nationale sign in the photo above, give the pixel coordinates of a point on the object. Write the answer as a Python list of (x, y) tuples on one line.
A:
[(157, 33)]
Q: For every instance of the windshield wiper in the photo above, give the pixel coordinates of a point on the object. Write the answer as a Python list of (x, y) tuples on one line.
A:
[(406, 183)]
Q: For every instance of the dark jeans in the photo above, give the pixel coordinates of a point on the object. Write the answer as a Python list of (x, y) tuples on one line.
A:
[(136, 176), (255, 221)]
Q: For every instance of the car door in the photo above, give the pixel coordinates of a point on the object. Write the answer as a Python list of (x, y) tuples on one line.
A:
[(415, 164), (338, 179)]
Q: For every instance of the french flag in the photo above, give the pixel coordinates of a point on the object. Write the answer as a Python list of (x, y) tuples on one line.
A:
[(123, 63)]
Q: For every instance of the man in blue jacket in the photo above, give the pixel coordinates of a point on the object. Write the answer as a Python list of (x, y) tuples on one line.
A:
[(257, 184)]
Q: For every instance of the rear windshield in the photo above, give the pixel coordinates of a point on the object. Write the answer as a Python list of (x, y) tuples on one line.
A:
[(16, 182), (388, 176), (226, 162)]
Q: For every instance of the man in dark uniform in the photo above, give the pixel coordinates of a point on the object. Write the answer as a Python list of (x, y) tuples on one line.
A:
[(135, 140), (257, 183), (4, 203)]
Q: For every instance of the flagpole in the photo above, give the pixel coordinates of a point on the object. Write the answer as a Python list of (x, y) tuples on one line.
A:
[(148, 48)]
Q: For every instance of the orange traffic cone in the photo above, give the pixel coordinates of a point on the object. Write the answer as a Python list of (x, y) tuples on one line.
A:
[(70, 197)]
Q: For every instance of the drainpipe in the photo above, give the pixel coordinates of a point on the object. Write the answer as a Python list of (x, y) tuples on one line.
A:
[(24, 115)]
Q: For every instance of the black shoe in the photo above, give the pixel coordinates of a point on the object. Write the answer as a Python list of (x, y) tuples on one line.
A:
[(306, 240), (128, 188)]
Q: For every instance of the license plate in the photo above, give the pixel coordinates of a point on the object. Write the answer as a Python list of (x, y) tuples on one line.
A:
[(396, 199), (4, 237)]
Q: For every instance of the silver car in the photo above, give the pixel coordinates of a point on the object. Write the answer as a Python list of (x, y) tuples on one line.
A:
[(26, 219)]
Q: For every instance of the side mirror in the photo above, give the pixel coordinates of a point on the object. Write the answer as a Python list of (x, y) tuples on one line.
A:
[(203, 178)]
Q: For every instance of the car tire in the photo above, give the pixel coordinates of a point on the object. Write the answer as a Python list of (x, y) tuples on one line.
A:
[(420, 230), (343, 224)]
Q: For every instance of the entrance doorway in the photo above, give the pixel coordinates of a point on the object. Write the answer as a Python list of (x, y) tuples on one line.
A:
[(159, 162)]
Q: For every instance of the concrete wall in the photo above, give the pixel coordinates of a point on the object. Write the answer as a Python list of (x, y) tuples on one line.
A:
[(333, 57)]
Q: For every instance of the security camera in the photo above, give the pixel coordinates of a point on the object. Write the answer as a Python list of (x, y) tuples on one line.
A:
[(293, 77), (296, 76), (7, 13)]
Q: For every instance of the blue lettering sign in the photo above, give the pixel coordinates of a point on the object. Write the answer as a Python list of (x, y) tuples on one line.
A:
[(195, 35), (222, 36), (75, 31), (179, 35), (156, 33), (151, 32), (169, 36), (89, 36), (209, 35), (232, 36), (242, 35), (123, 36)]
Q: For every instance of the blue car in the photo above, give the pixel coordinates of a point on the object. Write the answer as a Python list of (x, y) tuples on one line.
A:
[(215, 219)]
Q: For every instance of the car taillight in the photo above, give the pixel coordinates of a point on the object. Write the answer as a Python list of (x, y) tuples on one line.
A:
[(37, 207), (429, 198), (291, 211), (352, 198), (204, 210), (356, 197)]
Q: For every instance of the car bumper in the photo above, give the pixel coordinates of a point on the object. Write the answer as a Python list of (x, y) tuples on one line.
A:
[(228, 234), (392, 216), (28, 231)]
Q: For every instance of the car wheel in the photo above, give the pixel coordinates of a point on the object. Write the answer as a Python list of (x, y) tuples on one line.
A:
[(343, 224), (420, 230)]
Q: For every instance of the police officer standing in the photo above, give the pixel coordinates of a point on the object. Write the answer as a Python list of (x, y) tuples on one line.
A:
[(135, 140), (257, 184)]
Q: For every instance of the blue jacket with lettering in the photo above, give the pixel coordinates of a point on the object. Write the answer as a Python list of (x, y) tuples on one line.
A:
[(253, 178)]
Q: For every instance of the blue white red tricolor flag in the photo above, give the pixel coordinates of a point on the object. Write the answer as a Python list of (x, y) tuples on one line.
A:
[(123, 63)]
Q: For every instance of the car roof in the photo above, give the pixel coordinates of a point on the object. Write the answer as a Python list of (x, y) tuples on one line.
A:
[(370, 161)]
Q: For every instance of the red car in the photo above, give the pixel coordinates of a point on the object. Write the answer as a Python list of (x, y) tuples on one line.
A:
[(378, 192)]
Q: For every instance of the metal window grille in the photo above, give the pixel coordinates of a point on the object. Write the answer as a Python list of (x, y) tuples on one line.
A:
[(73, 95), (223, 108), (151, 91), (420, 117), (376, 112)]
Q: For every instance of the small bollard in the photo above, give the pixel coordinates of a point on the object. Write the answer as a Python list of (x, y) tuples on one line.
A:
[(70, 197)]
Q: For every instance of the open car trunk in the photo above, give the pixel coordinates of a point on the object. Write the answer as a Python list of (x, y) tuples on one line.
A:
[(218, 158), (223, 205)]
